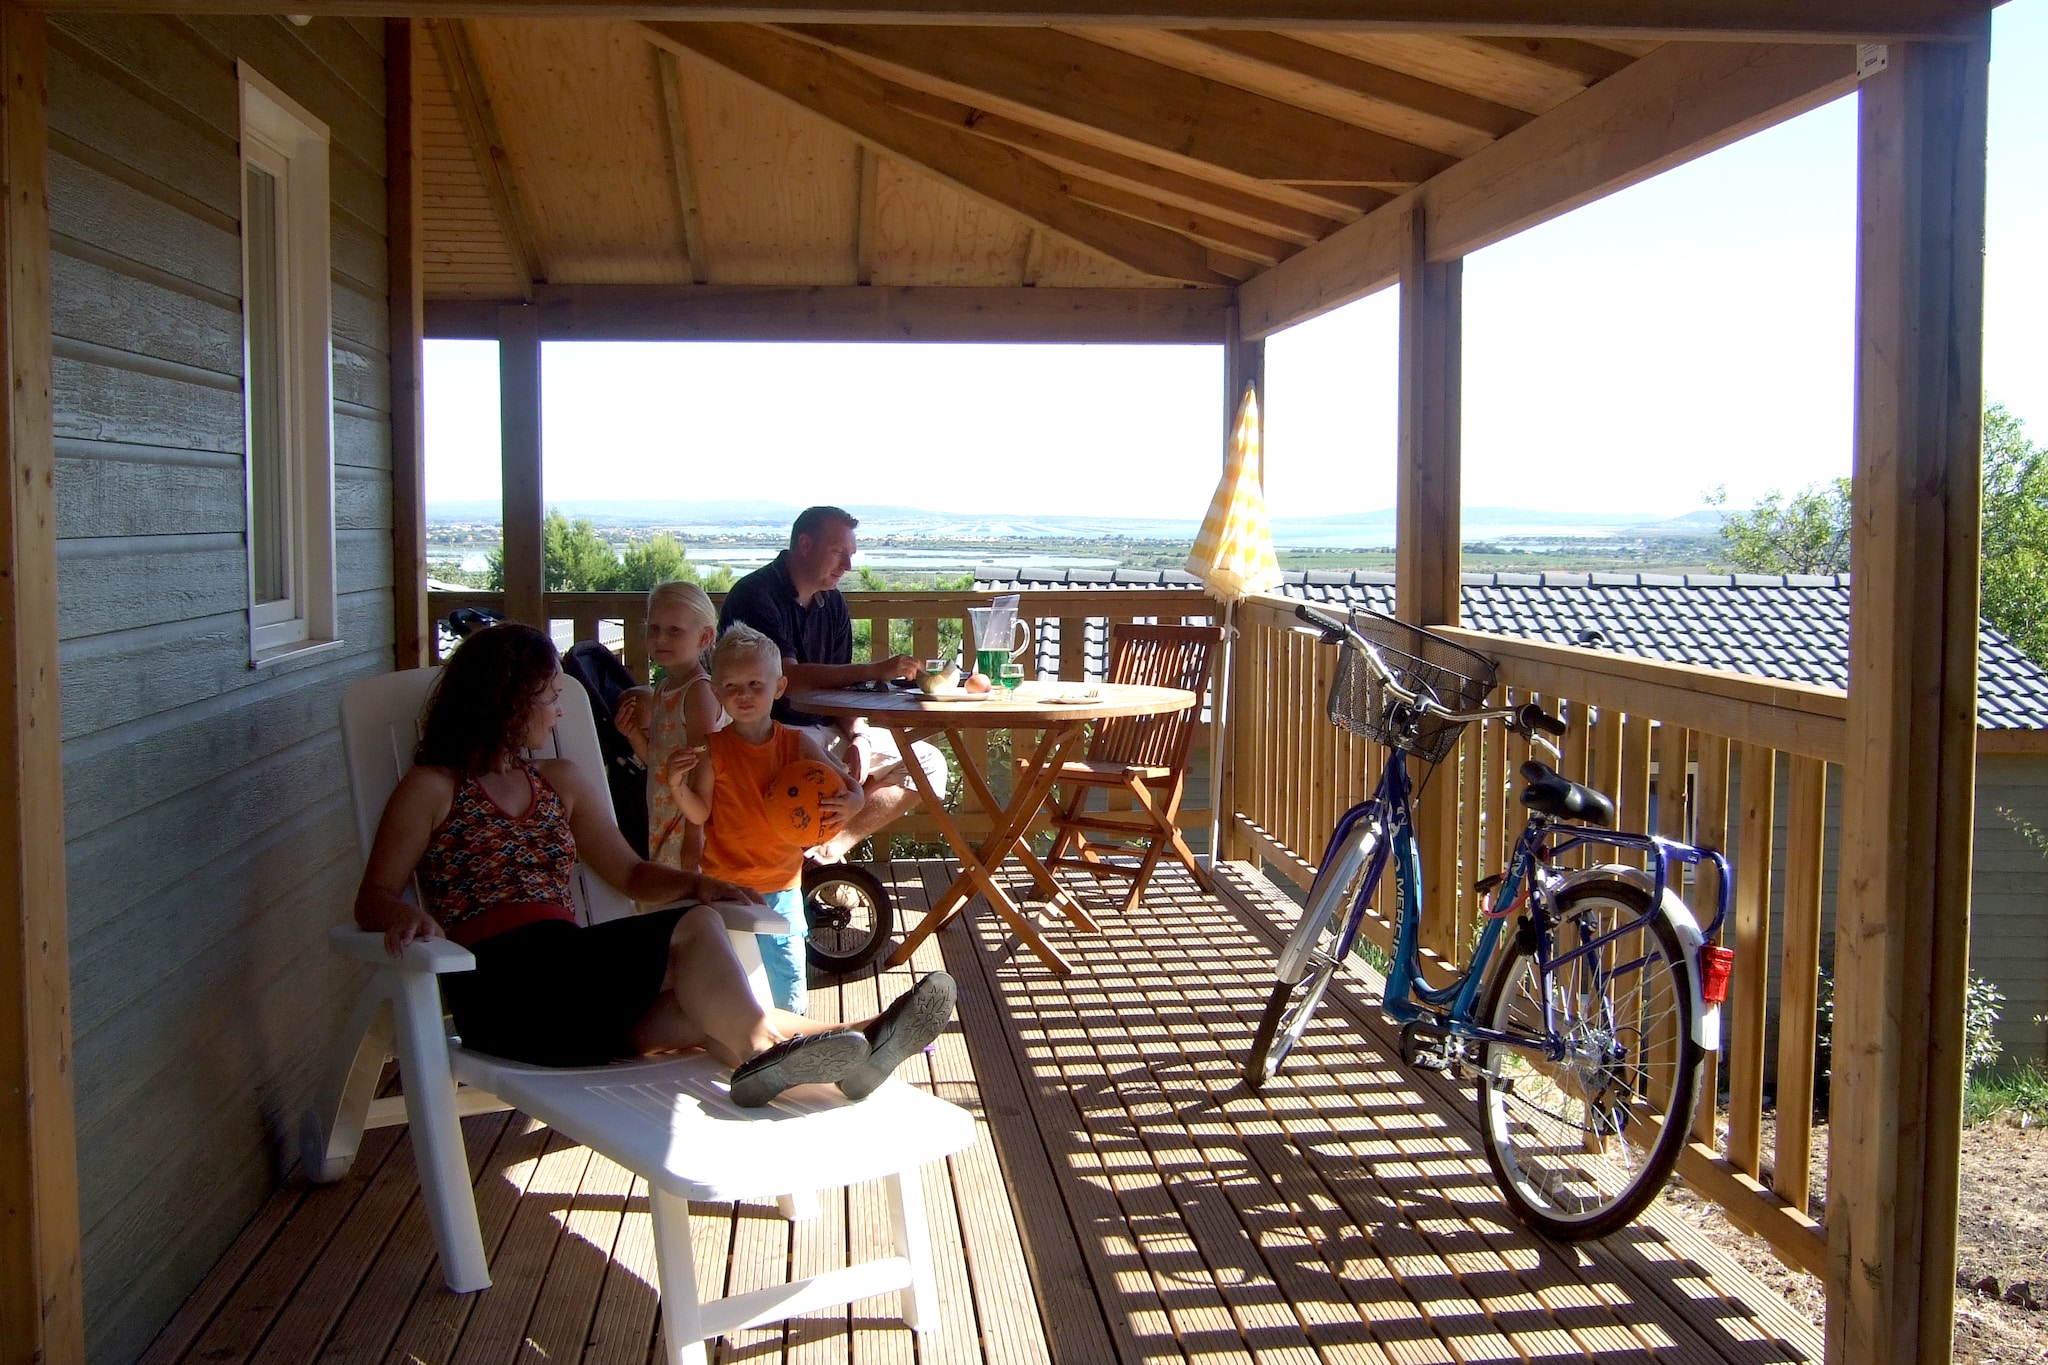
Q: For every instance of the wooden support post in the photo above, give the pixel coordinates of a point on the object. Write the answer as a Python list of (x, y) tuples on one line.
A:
[(1902, 937), (1244, 366), (407, 259), (1426, 523), (41, 1309), (519, 446)]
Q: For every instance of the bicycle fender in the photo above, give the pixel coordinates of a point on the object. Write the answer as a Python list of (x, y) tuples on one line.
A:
[(1706, 1029), (1328, 888)]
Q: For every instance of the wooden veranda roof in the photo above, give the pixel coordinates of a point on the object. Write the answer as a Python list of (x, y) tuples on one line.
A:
[(562, 158)]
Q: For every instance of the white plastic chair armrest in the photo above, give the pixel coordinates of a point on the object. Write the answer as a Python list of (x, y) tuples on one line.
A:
[(741, 917), (433, 955)]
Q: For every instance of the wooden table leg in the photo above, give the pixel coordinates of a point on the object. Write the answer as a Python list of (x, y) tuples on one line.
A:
[(974, 875), (1012, 832)]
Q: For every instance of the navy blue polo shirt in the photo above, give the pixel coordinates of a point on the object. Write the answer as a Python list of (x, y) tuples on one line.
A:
[(821, 633)]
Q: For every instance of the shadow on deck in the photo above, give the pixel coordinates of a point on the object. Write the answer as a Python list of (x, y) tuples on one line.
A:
[(1127, 1200)]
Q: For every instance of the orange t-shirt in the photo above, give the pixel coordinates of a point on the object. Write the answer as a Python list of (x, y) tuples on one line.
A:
[(740, 846)]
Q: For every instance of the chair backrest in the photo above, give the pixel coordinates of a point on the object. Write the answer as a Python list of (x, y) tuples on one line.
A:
[(1156, 656), (380, 728)]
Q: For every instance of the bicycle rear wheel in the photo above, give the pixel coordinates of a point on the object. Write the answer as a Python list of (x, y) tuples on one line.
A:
[(1314, 941), (1582, 1144)]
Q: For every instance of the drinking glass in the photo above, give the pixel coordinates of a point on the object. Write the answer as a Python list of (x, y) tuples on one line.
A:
[(1011, 676)]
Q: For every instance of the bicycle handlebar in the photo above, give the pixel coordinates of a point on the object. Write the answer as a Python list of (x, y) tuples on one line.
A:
[(1525, 720)]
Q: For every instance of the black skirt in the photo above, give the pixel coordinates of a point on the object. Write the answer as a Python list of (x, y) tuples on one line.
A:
[(556, 993)]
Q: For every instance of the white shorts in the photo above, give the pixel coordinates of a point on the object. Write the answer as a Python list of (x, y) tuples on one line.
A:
[(885, 759)]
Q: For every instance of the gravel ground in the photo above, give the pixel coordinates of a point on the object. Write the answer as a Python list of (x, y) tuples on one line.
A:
[(2002, 1238)]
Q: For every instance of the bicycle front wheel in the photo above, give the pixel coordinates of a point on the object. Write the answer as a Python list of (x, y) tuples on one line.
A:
[(1314, 942), (1581, 1144)]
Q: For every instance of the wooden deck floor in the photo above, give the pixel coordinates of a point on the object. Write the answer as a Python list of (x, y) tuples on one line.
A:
[(1127, 1200)]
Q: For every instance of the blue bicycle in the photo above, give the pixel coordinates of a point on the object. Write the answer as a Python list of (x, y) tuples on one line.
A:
[(1588, 1038)]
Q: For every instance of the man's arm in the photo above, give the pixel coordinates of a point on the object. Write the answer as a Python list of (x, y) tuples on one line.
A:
[(845, 675)]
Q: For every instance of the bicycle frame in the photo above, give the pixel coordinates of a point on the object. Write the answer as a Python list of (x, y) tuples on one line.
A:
[(1408, 998)]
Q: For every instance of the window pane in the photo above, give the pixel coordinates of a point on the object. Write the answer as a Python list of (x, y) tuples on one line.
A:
[(269, 518)]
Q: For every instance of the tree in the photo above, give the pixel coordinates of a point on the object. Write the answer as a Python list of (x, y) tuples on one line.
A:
[(1806, 533), (1809, 532), (575, 558), (2015, 533)]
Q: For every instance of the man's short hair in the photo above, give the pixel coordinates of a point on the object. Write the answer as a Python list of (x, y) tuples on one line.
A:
[(812, 520)]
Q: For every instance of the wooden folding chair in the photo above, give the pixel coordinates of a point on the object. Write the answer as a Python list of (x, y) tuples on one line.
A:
[(1144, 756)]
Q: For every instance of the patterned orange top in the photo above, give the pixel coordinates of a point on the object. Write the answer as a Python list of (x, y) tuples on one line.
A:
[(740, 845), (485, 872)]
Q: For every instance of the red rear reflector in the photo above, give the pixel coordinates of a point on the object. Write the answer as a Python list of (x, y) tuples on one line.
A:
[(1715, 964)]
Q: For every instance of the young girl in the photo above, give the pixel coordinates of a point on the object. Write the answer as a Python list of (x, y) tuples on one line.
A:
[(668, 724)]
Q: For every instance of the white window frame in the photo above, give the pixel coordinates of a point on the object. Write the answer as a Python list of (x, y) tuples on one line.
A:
[(283, 140)]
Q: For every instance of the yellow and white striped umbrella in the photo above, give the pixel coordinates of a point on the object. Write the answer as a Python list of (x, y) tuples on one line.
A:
[(1233, 555)]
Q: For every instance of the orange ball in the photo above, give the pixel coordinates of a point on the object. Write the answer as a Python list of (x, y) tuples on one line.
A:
[(796, 800)]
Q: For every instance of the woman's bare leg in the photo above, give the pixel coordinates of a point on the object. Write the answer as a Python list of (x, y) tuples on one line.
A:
[(706, 1001)]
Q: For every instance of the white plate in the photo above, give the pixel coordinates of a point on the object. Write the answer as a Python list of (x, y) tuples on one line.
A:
[(1075, 698)]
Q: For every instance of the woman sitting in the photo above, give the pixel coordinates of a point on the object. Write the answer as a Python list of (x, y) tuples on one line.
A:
[(492, 839)]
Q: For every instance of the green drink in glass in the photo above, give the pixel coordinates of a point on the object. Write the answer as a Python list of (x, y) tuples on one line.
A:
[(989, 662)]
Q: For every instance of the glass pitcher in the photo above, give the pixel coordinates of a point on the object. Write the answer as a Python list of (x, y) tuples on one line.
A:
[(999, 635)]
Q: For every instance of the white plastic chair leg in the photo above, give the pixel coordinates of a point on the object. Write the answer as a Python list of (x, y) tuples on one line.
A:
[(920, 1298), (422, 1045), (675, 1273), (332, 1132)]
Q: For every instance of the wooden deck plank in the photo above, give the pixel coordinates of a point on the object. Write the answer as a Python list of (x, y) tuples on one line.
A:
[(1127, 1199)]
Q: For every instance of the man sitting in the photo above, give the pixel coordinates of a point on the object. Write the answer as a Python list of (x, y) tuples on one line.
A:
[(794, 600)]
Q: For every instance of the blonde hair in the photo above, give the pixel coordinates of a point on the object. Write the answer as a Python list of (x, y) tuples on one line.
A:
[(741, 639), (692, 600)]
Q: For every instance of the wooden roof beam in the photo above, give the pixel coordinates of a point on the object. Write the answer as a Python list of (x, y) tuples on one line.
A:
[(854, 100), (1782, 21), (1035, 71), (1247, 208), (682, 176), (718, 312), (1679, 102), (1582, 61), (487, 144), (1365, 79)]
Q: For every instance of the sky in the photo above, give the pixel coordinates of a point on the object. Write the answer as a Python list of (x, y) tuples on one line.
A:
[(1690, 333)]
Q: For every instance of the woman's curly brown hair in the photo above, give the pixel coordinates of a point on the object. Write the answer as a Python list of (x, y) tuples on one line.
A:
[(477, 712)]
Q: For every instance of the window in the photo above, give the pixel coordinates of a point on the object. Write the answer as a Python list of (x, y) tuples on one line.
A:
[(287, 376)]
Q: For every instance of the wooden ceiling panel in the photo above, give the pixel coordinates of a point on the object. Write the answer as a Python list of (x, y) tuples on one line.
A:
[(1059, 264), (1460, 63), (1188, 52), (778, 190), (926, 232), (579, 106), (465, 251)]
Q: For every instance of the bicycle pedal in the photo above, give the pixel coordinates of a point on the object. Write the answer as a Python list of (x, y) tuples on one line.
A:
[(1424, 1048)]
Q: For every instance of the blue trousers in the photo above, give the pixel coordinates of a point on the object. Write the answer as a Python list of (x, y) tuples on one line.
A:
[(783, 954)]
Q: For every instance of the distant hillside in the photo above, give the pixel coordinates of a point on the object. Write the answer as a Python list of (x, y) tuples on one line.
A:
[(878, 521)]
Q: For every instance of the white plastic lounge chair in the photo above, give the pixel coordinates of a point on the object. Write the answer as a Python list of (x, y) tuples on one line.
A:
[(667, 1119)]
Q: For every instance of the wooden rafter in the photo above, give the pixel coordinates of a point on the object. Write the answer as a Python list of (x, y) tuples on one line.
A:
[(1588, 62), (1367, 79), (1681, 101), (854, 100), (1249, 209), (487, 144), (1038, 73), (867, 170), (1781, 21), (676, 140), (1227, 237)]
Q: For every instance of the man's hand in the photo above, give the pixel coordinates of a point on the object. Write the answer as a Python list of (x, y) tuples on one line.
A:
[(895, 667), (410, 922)]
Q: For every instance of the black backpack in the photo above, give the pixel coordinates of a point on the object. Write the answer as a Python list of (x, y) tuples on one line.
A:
[(605, 679)]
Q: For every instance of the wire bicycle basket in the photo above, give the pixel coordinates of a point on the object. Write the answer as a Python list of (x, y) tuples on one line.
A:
[(1424, 663)]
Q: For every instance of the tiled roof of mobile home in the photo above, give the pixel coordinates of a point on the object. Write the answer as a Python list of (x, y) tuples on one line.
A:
[(1794, 626)]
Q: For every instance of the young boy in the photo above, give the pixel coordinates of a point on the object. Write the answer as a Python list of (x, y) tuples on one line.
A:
[(726, 794)]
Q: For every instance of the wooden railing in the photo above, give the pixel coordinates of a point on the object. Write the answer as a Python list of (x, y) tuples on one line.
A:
[(1689, 752), (929, 625)]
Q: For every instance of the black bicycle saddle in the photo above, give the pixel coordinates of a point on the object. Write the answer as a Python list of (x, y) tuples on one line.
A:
[(1551, 794)]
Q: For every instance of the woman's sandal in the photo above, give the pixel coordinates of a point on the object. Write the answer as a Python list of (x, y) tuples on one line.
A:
[(808, 1059), (901, 1031)]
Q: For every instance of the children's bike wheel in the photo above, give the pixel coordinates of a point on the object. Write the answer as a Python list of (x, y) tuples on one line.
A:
[(1582, 1143), (1310, 957), (849, 914)]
